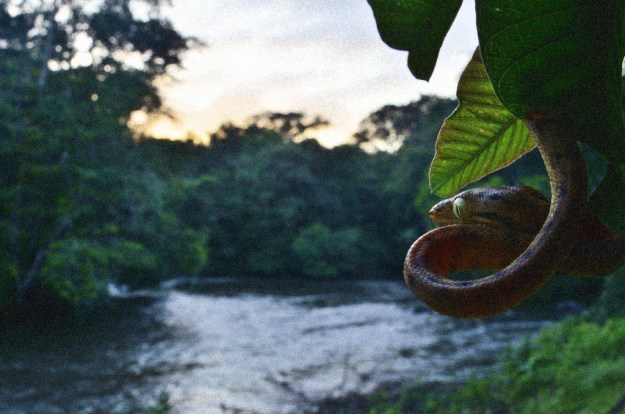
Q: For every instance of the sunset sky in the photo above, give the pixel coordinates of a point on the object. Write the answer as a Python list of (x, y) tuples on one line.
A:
[(318, 57)]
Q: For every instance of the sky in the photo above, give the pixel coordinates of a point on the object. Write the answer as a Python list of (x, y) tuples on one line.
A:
[(320, 57)]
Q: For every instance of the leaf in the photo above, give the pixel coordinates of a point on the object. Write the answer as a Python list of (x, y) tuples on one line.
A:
[(417, 26), (480, 137), (559, 57)]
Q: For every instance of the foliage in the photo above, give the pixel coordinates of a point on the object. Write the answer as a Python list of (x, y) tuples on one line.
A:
[(573, 367), (418, 27), (479, 137), (63, 34), (327, 253), (276, 207), (78, 211), (541, 59), (84, 204), (388, 128), (292, 126), (254, 202)]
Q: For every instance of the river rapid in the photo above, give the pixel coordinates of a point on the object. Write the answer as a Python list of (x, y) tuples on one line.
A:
[(247, 346)]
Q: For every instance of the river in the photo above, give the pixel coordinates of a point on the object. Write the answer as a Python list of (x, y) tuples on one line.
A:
[(247, 346)]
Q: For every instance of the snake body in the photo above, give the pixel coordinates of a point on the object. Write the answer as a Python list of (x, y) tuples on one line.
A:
[(531, 260)]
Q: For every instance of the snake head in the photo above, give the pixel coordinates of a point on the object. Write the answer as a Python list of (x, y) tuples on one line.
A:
[(454, 210), (516, 208)]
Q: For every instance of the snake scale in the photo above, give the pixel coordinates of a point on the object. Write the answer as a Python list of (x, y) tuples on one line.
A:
[(529, 245)]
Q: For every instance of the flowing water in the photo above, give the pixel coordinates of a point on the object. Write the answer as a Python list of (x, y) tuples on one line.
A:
[(247, 346)]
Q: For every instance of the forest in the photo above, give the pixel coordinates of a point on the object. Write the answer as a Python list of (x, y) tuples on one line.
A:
[(86, 202)]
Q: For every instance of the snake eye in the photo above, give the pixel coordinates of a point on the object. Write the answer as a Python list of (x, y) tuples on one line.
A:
[(460, 208)]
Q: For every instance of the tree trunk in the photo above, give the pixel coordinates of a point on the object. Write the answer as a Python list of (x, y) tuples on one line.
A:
[(48, 48)]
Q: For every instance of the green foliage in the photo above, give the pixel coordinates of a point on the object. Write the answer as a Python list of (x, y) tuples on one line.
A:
[(270, 204), (560, 59), (418, 27), (78, 271), (274, 207), (77, 209), (479, 137), (323, 252), (49, 28), (574, 367), (542, 57), (84, 205), (314, 247)]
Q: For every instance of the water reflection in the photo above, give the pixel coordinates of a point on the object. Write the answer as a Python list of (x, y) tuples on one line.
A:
[(262, 346)]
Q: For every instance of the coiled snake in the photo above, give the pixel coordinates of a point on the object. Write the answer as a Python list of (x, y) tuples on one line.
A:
[(477, 234)]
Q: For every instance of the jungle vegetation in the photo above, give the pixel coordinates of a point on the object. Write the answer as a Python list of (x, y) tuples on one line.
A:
[(85, 201)]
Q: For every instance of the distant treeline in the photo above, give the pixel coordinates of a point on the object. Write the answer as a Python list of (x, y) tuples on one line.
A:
[(85, 204), (270, 206)]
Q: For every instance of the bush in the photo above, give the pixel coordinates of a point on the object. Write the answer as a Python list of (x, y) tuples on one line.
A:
[(577, 366), (574, 367), (323, 252)]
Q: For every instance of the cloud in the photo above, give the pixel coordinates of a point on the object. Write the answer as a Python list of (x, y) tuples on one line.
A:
[(318, 56)]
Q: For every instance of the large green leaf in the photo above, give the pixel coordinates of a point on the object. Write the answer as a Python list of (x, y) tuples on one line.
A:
[(481, 136), (417, 26), (559, 57)]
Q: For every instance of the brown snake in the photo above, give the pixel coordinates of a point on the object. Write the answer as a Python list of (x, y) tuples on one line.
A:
[(526, 259)]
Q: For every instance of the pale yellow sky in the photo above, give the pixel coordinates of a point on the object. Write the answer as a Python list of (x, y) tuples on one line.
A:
[(319, 57)]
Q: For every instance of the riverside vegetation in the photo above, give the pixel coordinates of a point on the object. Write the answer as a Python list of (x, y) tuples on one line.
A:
[(85, 202), (538, 60)]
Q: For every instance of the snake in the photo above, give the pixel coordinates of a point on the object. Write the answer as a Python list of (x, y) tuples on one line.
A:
[(515, 230)]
